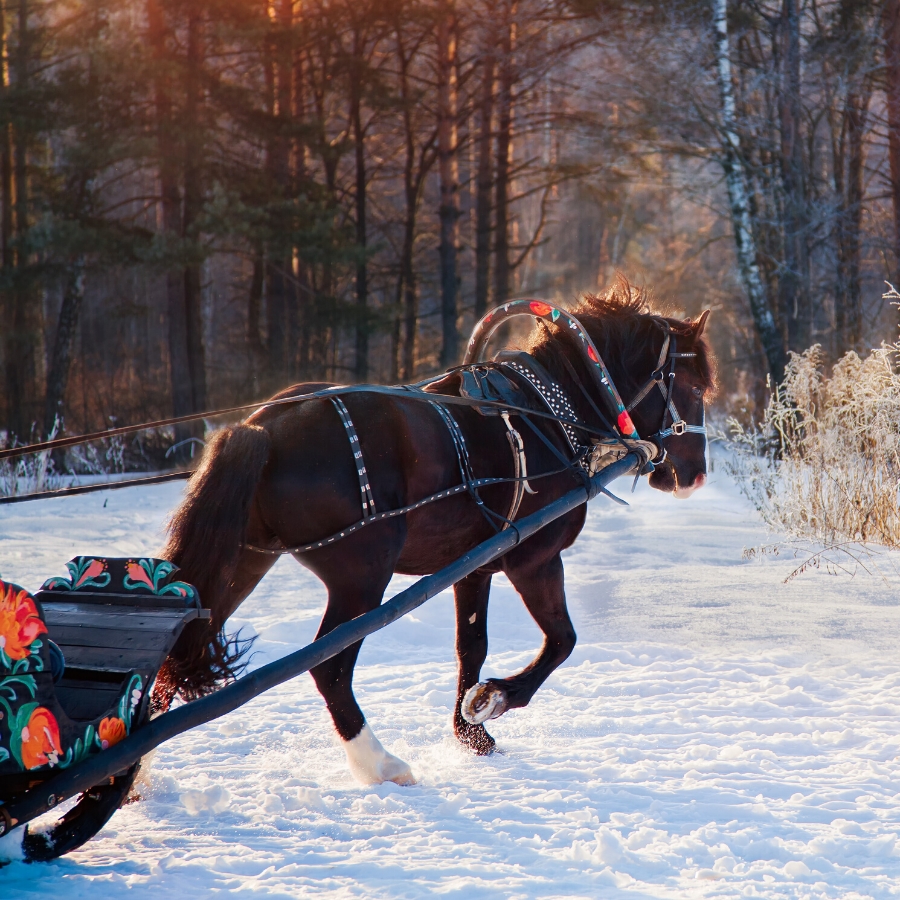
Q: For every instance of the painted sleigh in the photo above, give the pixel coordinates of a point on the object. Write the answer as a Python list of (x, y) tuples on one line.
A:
[(77, 660)]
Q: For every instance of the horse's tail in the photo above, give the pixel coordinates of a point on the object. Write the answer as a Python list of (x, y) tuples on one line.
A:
[(205, 535)]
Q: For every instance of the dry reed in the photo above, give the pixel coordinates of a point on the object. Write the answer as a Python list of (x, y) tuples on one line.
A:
[(823, 467)]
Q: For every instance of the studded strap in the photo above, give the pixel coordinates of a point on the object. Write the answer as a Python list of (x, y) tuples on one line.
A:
[(365, 488), (555, 399)]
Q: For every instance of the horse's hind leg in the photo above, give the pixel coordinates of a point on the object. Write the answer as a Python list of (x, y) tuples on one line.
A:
[(356, 584), (541, 588), (471, 595)]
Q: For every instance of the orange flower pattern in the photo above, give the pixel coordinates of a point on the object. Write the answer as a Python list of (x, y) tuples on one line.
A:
[(110, 731), (136, 573), (40, 740), (20, 622), (95, 569)]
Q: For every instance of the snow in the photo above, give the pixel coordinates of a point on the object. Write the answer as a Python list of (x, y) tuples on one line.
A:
[(716, 733)]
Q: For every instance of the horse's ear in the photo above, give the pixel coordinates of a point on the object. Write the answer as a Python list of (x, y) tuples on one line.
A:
[(700, 324)]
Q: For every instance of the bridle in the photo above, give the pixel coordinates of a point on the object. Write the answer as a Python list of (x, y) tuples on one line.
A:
[(667, 356)]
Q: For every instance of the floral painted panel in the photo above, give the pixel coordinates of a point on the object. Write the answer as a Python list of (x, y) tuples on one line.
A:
[(35, 732), (144, 575)]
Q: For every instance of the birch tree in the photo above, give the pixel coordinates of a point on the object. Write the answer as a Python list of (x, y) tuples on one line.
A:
[(739, 201)]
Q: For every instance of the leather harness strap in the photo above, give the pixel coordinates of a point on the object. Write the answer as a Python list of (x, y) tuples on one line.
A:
[(465, 468), (365, 488), (557, 402), (583, 462), (520, 469)]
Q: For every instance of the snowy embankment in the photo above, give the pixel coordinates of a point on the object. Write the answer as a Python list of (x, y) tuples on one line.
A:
[(716, 733)]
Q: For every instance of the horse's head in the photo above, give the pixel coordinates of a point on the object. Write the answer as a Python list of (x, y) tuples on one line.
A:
[(664, 371), (672, 412)]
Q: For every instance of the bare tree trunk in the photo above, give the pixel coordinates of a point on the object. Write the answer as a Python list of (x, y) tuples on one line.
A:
[(254, 311), (324, 336), (362, 272), (406, 281), (170, 194), (7, 310), (318, 69), (304, 320), (891, 29), (22, 345), (279, 268), (745, 240), (66, 328), (502, 269), (193, 201), (406, 298), (793, 281), (449, 182), (484, 186), (848, 304)]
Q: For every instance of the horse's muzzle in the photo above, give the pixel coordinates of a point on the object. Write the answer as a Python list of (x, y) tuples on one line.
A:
[(682, 493)]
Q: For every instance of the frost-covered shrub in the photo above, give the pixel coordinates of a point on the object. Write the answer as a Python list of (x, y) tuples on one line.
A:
[(36, 472), (104, 457), (27, 474), (824, 464)]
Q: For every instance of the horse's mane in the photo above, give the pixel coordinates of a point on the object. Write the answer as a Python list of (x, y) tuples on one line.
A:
[(627, 332)]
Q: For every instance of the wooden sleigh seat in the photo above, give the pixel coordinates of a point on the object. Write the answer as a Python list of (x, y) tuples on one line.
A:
[(111, 618), (115, 621)]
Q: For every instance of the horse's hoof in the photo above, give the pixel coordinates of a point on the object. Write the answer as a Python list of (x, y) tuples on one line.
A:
[(370, 763), (474, 738), (398, 771), (483, 701)]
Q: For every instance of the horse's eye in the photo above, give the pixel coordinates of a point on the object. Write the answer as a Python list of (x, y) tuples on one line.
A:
[(698, 391)]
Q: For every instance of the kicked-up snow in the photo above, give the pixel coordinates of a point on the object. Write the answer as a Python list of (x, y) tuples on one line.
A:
[(716, 733)]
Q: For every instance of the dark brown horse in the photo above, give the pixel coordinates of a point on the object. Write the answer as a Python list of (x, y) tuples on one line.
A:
[(286, 477)]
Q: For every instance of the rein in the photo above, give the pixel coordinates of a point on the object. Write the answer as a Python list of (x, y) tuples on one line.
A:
[(608, 441), (412, 392)]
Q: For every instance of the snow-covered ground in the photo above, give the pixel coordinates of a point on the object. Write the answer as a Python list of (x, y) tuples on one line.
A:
[(715, 734)]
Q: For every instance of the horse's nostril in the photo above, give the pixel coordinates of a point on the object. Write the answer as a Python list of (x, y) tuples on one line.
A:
[(699, 481)]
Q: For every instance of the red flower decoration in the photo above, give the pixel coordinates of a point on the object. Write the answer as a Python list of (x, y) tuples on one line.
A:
[(40, 739), (136, 573), (20, 622), (626, 426), (110, 731), (540, 309), (592, 354), (92, 571)]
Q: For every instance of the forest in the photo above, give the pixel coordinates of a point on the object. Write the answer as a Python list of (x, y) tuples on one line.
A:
[(204, 201)]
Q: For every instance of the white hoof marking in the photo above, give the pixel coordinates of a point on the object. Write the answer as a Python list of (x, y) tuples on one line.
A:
[(370, 763), (483, 702)]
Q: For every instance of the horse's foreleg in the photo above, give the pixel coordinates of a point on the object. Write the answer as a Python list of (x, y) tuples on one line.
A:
[(471, 596), (541, 588)]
